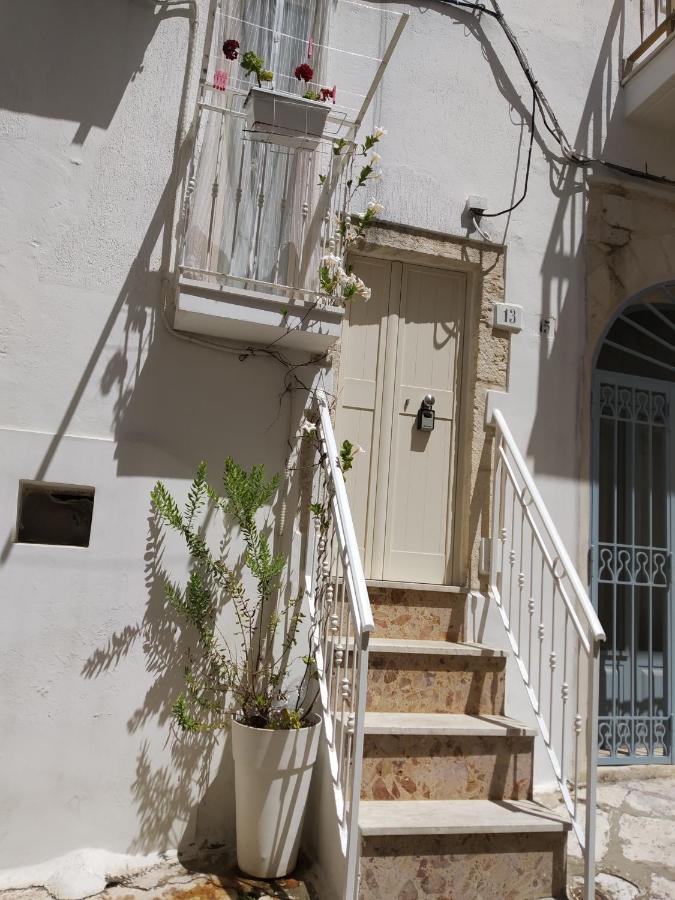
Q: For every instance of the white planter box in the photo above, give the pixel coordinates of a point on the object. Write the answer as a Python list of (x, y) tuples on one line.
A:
[(284, 118), (272, 774)]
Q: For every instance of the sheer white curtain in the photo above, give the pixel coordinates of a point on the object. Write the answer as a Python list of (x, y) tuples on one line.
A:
[(247, 207)]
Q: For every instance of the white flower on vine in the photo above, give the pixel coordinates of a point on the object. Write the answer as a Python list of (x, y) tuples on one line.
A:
[(331, 261), (375, 158), (362, 290), (379, 132), (375, 207)]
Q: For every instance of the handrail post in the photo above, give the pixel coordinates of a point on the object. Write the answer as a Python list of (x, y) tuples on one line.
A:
[(591, 771), (353, 840)]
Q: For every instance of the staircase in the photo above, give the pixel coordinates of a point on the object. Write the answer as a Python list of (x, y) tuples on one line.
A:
[(446, 782)]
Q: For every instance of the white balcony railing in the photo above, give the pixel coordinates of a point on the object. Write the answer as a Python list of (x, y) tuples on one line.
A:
[(260, 218), (554, 633), (657, 22), (265, 198), (341, 624)]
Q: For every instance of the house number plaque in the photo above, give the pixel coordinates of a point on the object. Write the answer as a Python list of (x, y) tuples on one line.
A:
[(508, 316)]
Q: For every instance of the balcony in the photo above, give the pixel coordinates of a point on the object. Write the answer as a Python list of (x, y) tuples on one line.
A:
[(267, 191), (649, 71)]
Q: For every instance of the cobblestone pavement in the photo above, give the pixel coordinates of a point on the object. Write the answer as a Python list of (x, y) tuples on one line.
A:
[(635, 853), (635, 847), (215, 878)]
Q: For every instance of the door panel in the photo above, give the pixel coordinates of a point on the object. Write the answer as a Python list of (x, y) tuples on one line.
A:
[(360, 394), (404, 343), (420, 483)]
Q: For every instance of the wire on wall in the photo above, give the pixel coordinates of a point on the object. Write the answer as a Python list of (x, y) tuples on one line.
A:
[(540, 101), (503, 212)]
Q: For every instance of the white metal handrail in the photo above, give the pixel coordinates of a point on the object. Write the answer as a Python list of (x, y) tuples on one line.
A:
[(342, 621), (553, 630)]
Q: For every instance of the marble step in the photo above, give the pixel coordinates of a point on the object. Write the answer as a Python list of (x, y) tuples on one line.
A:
[(417, 611), (469, 849), (435, 676), (450, 724), (451, 817), (434, 647), (437, 756)]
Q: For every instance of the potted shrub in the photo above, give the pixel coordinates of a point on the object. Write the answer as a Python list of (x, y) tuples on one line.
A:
[(279, 116), (243, 678)]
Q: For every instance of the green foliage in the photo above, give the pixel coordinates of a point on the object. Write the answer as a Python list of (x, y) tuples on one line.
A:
[(247, 675), (254, 65), (369, 143), (329, 279), (347, 453), (364, 175), (312, 95), (339, 145)]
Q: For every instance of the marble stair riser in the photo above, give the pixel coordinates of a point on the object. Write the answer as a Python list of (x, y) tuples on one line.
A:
[(463, 867), (442, 767), (399, 682), (417, 615)]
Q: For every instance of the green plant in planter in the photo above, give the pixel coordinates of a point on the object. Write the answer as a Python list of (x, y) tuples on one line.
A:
[(252, 64), (247, 673)]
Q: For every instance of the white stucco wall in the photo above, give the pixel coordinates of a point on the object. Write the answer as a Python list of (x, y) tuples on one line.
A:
[(94, 390), (454, 101)]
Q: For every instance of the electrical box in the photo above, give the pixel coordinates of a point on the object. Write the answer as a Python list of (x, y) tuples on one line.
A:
[(508, 316)]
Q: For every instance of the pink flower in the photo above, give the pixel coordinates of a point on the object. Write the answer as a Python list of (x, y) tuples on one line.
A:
[(304, 72), (230, 49), (329, 94)]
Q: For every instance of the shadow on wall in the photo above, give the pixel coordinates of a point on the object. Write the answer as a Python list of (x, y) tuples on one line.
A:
[(190, 799), (174, 403), (604, 131), (563, 285), (75, 67)]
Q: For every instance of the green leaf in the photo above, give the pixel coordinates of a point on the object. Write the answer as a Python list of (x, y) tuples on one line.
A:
[(347, 453)]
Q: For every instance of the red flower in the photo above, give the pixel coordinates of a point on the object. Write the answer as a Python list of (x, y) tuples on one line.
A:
[(328, 94), (304, 72), (230, 49)]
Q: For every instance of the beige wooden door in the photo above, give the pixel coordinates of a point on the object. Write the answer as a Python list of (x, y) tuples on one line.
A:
[(404, 343)]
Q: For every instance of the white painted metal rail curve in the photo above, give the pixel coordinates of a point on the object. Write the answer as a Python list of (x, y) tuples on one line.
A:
[(553, 630), (342, 621)]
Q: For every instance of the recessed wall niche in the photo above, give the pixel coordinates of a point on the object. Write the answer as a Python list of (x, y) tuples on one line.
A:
[(57, 514)]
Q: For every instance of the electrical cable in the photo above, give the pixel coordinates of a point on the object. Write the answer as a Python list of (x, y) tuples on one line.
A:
[(474, 218), (513, 206), (554, 128)]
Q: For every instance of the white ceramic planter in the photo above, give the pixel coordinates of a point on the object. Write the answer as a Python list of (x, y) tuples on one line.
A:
[(284, 118), (272, 772)]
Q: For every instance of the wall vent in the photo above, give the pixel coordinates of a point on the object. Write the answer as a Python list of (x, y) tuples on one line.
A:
[(58, 514)]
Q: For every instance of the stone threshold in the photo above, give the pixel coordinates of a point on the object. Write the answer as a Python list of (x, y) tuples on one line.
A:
[(415, 586)]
